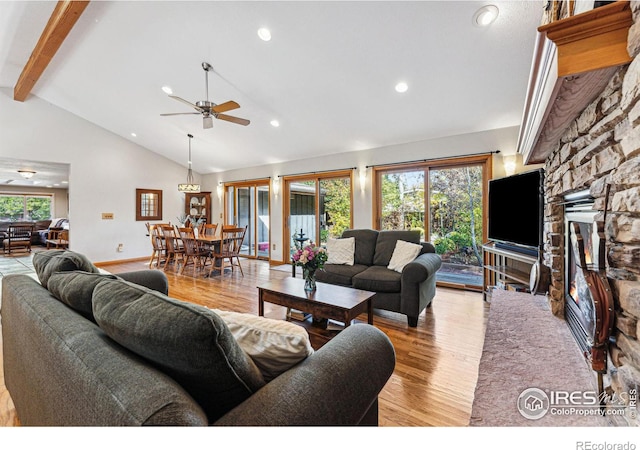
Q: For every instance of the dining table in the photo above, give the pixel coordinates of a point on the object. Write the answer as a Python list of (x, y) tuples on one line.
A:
[(210, 242)]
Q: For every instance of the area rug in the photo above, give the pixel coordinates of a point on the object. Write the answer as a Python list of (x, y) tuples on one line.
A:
[(286, 268), (530, 354)]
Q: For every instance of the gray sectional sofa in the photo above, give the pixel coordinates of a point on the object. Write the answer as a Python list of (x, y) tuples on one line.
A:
[(409, 292), (83, 348)]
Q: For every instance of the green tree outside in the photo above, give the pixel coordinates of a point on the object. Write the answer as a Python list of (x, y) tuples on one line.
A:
[(21, 207), (455, 209)]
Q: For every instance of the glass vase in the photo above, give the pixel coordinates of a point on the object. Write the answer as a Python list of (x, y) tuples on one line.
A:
[(309, 276)]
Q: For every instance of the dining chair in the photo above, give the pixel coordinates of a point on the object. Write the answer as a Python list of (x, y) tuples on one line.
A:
[(231, 239), (209, 229), (157, 244), (192, 251), (174, 245)]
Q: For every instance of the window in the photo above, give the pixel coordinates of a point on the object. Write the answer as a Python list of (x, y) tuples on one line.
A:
[(445, 201), (15, 207), (318, 205), (148, 204), (402, 200)]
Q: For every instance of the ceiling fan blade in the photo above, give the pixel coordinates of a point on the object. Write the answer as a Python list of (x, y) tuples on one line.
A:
[(175, 97), (207, 122), (178, 114), (237, 120), (226, 106)]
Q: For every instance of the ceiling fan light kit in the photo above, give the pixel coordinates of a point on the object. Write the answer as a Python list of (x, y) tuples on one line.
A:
[(210, 110), (189, 186)]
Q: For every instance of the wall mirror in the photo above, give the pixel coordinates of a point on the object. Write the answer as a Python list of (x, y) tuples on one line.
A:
[(148, 204)]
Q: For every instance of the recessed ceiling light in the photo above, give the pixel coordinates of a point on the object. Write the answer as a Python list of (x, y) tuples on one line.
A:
[(133, 134), (65, 182), (264, 34), (275, 123), (485, 16), (402, 87), (167, 90)]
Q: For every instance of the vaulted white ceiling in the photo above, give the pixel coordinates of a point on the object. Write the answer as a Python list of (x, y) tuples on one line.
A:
[(327, 75)]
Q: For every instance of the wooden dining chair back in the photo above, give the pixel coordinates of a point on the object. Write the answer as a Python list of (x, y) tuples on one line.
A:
[(229, 226), (231, 239), (174, 245), (193, 253), (157, 245), (209, 229)]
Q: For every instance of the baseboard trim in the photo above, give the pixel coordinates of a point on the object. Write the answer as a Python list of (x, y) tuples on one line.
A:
[(121, 261)]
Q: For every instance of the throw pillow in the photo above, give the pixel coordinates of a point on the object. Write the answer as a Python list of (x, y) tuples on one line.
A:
[(75, 289), (341, 251), (188, 342), (403, 254), (47, 263), (274, 345)]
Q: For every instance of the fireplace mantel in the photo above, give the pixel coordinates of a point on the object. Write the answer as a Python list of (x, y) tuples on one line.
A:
[(574, 59)]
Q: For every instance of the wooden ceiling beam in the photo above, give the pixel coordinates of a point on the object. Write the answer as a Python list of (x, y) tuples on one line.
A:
[(62, 20)]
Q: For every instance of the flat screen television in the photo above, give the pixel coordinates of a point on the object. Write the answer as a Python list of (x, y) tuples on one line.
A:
[(516, 207)]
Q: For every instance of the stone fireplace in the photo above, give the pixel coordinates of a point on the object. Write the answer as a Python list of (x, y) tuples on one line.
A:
[(579, 309), (600, 150)]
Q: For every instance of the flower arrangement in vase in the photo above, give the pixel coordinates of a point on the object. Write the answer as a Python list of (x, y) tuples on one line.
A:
[(310, 258)]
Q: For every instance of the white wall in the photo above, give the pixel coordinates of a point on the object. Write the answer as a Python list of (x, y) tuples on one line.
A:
[(105, 171), (504, 139)]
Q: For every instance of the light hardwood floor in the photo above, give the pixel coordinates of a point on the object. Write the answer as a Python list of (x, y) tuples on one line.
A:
[(437, 363)]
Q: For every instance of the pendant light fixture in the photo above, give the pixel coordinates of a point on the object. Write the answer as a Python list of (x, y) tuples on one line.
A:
[(189, 186)]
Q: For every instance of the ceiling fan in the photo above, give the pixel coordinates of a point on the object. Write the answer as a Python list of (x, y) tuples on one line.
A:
[(210, 110)]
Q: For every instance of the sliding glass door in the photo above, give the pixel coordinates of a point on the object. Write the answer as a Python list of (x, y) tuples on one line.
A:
[(402, 200), (248, 205), (455, 222), (445, 201), (318, 206)]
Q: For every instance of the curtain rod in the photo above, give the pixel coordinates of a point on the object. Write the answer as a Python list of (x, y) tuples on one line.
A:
[(311, 173), (433, 159), (244, 181)]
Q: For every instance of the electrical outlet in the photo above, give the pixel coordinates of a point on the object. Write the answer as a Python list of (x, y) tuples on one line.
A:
[(120, 247)]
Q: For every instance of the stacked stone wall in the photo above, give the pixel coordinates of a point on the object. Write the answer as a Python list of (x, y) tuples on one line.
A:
[(602, 148)]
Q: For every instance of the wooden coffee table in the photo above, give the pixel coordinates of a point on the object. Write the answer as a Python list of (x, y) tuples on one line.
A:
[(328, 301)]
